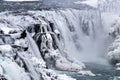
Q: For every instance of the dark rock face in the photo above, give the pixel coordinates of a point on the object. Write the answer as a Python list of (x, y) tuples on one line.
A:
[(44, 35), (23, 34)]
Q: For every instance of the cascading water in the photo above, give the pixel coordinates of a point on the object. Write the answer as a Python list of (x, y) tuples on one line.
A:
[(40, 42), (82, 33), (52, 48)]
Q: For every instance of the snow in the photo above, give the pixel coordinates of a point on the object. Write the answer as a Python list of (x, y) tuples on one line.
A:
[(93, 3), (114, 51), (6, 30), (5, 48), (38, 61)]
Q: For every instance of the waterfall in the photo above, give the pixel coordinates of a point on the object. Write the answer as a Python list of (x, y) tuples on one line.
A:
[(82, 34), (47, 40), (34, 47)]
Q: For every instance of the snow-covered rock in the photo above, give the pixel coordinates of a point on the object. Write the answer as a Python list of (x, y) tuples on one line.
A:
[(114, 51)]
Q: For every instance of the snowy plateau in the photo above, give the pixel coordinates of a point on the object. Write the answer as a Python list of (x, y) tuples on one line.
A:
[(55, 43)]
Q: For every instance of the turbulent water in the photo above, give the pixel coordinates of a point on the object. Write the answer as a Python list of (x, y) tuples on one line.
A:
[(103, 72)]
